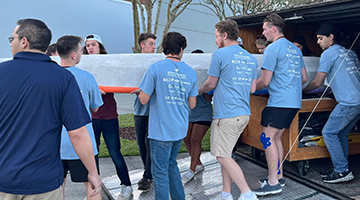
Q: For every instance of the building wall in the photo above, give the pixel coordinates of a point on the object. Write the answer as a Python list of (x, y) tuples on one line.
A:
[(111, 19)]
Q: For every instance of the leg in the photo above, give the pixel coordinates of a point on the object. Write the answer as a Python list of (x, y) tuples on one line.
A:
[(271, 151), (89, 191), (160, 154), (280, 150), (335, 133), (187, 139), (224, 135), (175, 184), (112, 140), (140, 131), (231, 171), (197, 134), (96, 123)]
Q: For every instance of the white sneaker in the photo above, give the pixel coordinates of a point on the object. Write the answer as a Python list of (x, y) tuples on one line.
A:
[(188, 176), (219, 197), (126, 192), (253, 197), (199, 168)]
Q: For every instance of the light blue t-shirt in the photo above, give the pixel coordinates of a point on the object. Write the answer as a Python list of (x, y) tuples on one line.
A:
[(169, 84), (285, 60), (236, 70), (346, 83), (92, 98), (139, 109), (203, 110)]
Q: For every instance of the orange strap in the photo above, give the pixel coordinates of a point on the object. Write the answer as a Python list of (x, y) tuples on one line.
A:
[(111, 89)]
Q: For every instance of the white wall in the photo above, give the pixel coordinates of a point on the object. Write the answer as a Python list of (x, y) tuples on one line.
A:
[(111, 19)]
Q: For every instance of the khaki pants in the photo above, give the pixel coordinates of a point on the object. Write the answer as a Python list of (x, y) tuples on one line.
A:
[(225, 133), (53, 195)]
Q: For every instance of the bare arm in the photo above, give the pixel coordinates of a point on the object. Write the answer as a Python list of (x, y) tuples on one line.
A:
[(209, 84), (264, 79), (144, 98), (304, 76), (318, 80), (192, 102), (253, 86), (80, 139)]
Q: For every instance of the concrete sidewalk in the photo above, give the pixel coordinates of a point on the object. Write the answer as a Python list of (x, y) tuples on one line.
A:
[(76, 191), (205, 185)]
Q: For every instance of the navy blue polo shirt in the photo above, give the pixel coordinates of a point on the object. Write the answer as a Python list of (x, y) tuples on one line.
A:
[(37, 97)]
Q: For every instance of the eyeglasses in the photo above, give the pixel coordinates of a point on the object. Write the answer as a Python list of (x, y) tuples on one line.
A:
[(11, 39)]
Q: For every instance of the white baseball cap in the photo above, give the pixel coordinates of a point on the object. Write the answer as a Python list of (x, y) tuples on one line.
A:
[(95, 37)]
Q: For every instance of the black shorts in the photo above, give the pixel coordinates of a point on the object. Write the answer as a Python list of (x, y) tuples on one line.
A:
[(77, 169), (205, 123), (278, 117)]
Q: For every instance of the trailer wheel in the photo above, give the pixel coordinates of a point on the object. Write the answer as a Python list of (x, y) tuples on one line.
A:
[(302, 167)]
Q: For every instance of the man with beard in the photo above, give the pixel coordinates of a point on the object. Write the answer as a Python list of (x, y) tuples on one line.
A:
[(232, 73)]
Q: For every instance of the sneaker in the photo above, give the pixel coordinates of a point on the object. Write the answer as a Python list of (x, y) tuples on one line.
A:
[(188, 176), (126, 192), (199, 168), (281, 181), (253, 197), (336, 177), (219, 197), (326, 173), (144, 184), (266, 189)]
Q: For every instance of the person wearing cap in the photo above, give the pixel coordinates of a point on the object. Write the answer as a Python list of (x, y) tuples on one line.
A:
[(105, 121), (69, 49)]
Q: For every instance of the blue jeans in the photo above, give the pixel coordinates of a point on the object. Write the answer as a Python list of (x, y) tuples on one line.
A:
[(110, 130), (165, 171), (335, 133), (141, 130)]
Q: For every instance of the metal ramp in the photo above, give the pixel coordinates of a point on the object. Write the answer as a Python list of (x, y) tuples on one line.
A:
[(208, 184)]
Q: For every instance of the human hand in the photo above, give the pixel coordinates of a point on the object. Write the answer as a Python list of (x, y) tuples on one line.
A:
[(95, 182), (137, 91)]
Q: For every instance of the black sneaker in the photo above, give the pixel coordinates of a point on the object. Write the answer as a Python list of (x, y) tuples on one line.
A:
[(281, 181), (144, 184), (326, 173), (268, 189), (336, 177)]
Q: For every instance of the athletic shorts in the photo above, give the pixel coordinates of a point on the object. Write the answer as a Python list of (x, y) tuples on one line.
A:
[(77, 169), (205, 123), (278, 117), (225, 134)]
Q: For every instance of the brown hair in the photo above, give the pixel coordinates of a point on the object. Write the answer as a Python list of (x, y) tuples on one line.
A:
[(275, 20), (230, 27)]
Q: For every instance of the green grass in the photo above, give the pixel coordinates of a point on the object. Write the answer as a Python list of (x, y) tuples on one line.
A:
[(130, 148)]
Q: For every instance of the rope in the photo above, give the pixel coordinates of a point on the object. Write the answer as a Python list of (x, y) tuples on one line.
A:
[(322, 95)]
